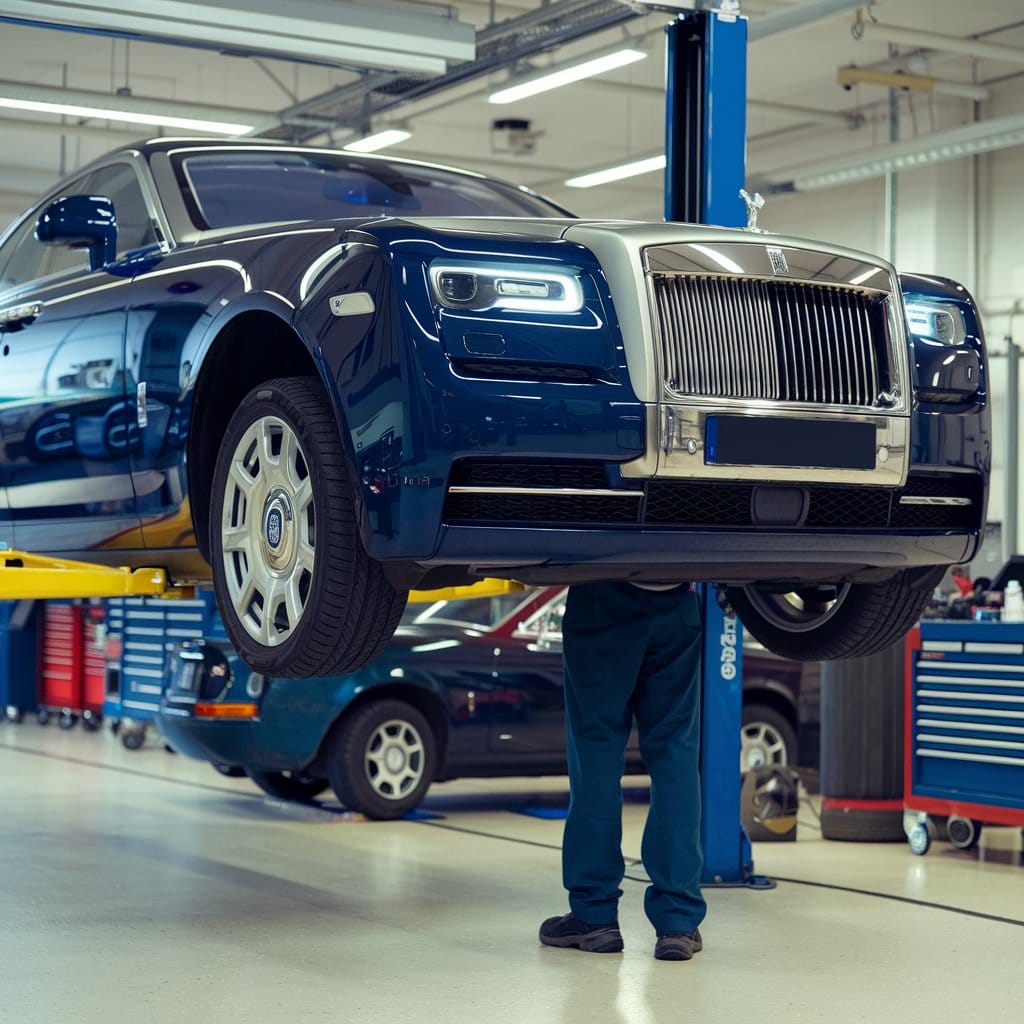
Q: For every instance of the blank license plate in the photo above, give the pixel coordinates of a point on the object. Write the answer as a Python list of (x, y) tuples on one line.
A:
[(761, 441)]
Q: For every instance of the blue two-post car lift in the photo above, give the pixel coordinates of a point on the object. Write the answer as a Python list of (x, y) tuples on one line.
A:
[(705, 147)]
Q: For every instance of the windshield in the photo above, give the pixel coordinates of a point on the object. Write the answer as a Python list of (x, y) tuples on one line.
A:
[(474, 612), (232, 188)]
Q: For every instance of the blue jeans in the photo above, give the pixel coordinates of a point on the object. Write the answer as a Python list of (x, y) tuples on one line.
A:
[(633, 653)]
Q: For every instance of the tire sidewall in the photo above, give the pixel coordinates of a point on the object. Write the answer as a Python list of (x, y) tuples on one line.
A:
[(270, 400), (347, 759)]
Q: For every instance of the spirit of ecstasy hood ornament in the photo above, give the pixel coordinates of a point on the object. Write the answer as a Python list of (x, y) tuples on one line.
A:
[(754, 204)]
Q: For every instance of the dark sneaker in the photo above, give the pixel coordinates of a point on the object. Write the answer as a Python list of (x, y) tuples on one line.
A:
[(678, 945), (569, 931)]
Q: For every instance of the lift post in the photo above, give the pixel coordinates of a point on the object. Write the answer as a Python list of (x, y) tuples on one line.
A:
[(705, 148)]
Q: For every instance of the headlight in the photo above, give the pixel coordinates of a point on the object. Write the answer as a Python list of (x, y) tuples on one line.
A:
[(527, 288), (937, 322)]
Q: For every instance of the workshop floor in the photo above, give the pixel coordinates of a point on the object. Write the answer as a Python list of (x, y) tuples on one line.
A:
[(145, 886)]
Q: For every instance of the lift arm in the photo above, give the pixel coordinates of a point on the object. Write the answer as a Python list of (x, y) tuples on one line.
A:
[(24, 576)]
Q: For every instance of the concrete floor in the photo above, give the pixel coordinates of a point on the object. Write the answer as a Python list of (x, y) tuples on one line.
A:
[(145, 886)]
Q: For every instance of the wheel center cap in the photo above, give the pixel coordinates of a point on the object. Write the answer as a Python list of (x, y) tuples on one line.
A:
[(394, 758), (278, 529)]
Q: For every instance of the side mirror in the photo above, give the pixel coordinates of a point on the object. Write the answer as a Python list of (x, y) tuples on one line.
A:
[(81, 222)]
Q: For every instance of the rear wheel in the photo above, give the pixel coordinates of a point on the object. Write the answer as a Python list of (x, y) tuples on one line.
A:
[(288, 785), (382, 759), (298, 593), (823, 622)]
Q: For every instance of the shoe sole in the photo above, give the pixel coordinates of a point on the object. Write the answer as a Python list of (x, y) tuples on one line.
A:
[(596, 942), (676, 953)]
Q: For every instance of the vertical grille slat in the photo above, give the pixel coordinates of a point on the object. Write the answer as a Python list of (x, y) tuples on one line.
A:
[(733, 337)]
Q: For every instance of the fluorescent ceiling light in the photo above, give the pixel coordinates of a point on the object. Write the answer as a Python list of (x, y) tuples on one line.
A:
[(617, 173), (953, 144), (319, 31), (378, 140), (128, 116), (553, 78)]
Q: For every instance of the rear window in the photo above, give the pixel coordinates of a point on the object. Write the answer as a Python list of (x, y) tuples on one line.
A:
[(225, 189)]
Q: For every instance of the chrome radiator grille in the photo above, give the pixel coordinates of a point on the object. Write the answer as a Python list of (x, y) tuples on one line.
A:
[(733, 337)]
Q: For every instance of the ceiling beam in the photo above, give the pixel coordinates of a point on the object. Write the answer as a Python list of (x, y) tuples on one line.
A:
[(865, 28), (799, 15), (316, 31)]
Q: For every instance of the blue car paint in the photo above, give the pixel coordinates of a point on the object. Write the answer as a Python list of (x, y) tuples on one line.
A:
[(170, 316)]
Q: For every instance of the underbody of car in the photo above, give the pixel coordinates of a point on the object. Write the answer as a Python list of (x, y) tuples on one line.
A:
[(320, 414)]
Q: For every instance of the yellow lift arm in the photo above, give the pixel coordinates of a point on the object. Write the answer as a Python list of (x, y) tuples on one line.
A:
[(24, 576)]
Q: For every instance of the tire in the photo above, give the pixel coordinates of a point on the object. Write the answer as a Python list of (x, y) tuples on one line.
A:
[(232, 771), (767, 739), (829, 621), (298, 593), (288, 785), (382, 759)]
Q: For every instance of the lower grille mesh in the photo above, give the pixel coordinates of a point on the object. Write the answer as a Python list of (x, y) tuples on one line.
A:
[(680, 503)]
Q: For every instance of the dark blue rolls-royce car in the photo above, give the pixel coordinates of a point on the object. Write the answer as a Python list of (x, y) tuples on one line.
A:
[(320, 380), (469, 687)]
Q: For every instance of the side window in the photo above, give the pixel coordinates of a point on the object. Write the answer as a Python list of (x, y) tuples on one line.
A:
[(23, 259), (134, 224)]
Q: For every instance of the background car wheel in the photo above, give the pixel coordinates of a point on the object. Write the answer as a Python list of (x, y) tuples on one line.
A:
[(766, 738), (382, 759), (298, 593), (288, 785), (828, 621)]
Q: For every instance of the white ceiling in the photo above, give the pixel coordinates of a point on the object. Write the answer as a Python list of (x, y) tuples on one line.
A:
[(579, 128)]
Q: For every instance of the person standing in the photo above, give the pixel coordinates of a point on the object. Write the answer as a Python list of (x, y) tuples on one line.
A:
[(631, 651)]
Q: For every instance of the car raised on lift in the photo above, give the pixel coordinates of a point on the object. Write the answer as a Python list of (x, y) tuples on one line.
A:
[(319, 380)]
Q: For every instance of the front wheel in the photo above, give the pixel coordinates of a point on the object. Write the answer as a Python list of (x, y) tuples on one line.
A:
[(823, 622), (288, 785), (297, 591), (382, 759)]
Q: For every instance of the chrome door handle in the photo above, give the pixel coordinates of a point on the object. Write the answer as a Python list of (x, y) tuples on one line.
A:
[(15, 317), (141, 413)]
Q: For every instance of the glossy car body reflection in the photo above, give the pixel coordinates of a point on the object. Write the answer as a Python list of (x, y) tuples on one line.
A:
[(465, 382)]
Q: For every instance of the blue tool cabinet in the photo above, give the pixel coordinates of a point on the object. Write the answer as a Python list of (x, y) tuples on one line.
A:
[(965, 729), (18, 645), (142, 632)]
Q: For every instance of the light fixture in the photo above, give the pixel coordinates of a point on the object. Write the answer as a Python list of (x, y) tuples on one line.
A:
[(565, 74), (852, 75), (319, 31), (129, 117), (618, 172), (81, 103), (378, 140), (952, 144)]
